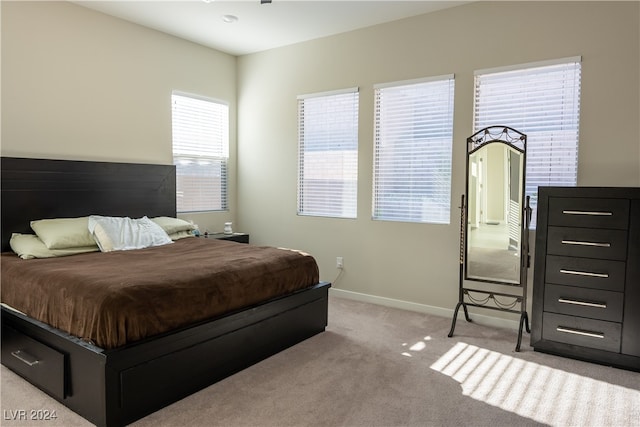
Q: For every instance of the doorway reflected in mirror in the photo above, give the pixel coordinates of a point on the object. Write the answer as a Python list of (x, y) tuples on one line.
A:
[(494, 213)]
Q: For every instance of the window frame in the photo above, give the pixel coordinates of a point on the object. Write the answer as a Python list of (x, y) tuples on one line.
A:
[(535, 160), (216, 156), (443, 202), (313, 201)]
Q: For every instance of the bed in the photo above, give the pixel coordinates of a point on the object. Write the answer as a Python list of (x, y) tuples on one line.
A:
[(115, 379)]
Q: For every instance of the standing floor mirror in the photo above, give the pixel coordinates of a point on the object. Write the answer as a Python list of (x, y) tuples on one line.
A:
[(494, 226)]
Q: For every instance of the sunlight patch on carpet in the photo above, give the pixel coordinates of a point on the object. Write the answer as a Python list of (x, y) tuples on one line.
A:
[(418, 346), (538, 392)]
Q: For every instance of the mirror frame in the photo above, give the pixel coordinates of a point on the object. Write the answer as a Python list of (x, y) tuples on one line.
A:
[(517, 141)]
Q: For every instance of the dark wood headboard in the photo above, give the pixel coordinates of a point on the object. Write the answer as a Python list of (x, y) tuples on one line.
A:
[(42, 188)]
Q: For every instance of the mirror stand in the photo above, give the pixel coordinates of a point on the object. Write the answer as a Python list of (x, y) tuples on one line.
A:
[(494, 226)]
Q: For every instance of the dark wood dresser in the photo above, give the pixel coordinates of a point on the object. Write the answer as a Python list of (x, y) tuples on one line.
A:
[(586, 286)]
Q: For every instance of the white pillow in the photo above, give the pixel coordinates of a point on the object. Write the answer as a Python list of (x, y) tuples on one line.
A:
[(124, 233)]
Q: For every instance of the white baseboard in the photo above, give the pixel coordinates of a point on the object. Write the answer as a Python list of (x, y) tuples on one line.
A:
[(423, 308)]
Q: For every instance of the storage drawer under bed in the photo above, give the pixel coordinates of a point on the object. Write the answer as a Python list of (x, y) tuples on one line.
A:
[(36, 362)]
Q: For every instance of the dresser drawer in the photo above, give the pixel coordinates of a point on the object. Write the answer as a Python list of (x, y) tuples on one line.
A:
[(589, 213), (597, 334), (587, 242), (591, 303), (586, 272), (37, 362)]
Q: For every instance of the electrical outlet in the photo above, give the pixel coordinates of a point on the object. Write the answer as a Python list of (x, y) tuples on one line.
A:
[(339, 262)]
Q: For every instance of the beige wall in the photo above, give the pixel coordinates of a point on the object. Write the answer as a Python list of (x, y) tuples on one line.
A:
[(78, 84), (418, 263)]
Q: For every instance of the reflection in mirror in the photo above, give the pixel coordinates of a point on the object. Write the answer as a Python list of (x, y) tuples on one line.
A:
[(494, 213)]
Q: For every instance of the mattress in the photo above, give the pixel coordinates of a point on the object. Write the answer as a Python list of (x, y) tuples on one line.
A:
[(117, 298)]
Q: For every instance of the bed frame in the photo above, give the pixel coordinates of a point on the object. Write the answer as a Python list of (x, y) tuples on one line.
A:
[(117, 387)]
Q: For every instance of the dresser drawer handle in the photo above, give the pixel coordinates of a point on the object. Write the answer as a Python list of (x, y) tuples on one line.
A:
[(580, 332), (587, 213), (577, 242), (25, 357), (585, 273), (584, 303)]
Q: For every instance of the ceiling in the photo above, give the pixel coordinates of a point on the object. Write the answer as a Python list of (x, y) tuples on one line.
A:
[(261, 26)]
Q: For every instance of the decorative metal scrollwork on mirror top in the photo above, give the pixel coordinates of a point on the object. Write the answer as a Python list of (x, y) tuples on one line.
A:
[(494, 225)]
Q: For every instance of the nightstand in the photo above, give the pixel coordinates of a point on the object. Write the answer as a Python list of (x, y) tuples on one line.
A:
[(235, 237)]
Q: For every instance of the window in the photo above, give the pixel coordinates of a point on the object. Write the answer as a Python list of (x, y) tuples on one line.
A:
[(541, 100), (328, 154), (200, 152), (412, 153)]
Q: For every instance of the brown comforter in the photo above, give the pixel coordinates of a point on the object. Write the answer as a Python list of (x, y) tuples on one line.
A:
[(116, 298)]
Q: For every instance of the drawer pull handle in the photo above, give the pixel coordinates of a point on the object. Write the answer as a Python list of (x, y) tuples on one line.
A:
[(587, 213), (584, 303), (580, 332), (577, 242), (25, 357), (585, 273)]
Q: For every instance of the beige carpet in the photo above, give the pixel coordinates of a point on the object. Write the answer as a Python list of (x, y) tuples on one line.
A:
[(378, 366)]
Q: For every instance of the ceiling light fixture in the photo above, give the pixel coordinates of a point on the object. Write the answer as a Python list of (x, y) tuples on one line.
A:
[(229, 19), (265, 1)]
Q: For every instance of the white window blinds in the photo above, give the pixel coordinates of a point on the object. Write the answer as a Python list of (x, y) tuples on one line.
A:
[(200, 130), (412, 153), (328, 154), (541, 100)]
